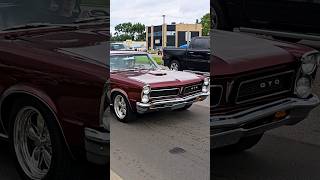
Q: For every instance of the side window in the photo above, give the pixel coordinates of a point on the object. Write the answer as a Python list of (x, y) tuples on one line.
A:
[(193, 44), (200, 43)]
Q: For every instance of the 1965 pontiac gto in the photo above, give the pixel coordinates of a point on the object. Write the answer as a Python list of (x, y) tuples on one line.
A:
[(139, 85), (257, 85), (52, 83)]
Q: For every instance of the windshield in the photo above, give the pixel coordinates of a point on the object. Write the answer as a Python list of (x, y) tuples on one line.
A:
[(132, 62), (117, 47), (17, 13)]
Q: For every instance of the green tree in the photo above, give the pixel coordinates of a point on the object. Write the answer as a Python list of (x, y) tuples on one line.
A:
[(130, 31), (206, 24)]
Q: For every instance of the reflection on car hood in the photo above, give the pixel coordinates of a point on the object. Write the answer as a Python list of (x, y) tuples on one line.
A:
[(95, 52), (83, 43), (236, 52)]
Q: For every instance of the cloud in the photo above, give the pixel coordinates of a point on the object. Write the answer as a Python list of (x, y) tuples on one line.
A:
[(149, 12)]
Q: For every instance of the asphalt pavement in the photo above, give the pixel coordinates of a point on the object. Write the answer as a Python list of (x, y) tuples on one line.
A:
[(163, 146)]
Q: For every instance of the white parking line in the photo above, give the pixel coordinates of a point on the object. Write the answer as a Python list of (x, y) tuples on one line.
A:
[(114, 176)]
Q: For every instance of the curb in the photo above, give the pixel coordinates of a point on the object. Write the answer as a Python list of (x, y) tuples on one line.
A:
[(114, 176)]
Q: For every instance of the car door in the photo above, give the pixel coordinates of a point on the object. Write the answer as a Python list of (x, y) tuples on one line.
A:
[(198, 55), (285, 14)]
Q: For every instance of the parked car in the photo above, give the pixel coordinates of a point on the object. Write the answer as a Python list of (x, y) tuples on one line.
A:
[(257, 85), (279, 16), (53, 78), (119, 47), (185, 46), (196, 57), (139, 85)]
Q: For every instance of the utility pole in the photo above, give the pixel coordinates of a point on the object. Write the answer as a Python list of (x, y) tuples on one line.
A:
[(163, 31), (164, 19)]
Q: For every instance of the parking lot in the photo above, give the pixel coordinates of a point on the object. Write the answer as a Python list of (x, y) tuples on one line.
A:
[(163, 146), (286, 153)]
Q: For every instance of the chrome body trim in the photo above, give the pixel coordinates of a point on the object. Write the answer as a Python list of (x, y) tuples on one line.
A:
[(3, 136), (263, 111), (171, 104), (234, 125)]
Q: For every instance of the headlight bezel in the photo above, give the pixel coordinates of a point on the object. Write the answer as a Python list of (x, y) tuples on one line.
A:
[(205, 85), (145, 94), (310, 56), (206, 81), (309, 87), (309, 75)]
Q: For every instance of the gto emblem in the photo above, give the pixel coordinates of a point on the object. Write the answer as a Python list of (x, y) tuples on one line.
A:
[(270, 83), (193, 88)]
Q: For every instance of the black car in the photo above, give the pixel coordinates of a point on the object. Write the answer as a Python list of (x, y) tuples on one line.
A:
[(286, 19), (194, 58)]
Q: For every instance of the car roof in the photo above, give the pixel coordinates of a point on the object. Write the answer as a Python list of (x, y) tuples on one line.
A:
[(127, 53)]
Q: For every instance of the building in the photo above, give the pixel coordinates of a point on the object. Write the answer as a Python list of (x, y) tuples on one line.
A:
[(173, 35)]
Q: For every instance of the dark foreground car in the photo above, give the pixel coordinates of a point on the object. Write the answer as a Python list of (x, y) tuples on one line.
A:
[(52, 95), (139, 85), (257, 85), (284, 19)]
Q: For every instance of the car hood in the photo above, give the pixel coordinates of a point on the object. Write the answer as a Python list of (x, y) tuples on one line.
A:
[(237, 52), (159, 78), (86, 43)]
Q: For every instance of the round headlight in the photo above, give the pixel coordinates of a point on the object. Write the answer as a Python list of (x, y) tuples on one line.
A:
[(303, 87), (145, 99), (206, 82), (146, 90), (309, 63), (205, 89)]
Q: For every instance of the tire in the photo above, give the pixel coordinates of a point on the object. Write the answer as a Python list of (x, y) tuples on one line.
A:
[(218, 17), (43, 138), (292, 40), (126, 114), (185, 108), (244, 144), (175, 65)]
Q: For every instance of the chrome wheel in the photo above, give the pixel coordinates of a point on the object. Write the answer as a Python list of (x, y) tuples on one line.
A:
[(174, 66), (32, 143), (120, 106), (214, 18)]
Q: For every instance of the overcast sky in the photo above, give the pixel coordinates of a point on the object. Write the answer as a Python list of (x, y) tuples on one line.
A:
[(149, 12)]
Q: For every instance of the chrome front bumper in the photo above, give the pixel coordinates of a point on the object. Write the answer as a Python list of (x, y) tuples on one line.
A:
[(298, 109), (97, 146), (170, 104)]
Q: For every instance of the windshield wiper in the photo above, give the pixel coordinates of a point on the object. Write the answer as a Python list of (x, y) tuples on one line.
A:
[(37, 25)]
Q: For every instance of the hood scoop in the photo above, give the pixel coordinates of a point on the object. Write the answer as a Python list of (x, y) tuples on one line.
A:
[(157, 73)]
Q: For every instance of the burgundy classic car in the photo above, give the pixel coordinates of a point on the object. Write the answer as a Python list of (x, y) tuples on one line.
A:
[(52, 93), (139, 85), (257, 85)]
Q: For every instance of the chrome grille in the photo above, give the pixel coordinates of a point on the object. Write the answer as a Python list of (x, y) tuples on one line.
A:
[(161, 93), (192, 89), (267, 86), (216, 95)]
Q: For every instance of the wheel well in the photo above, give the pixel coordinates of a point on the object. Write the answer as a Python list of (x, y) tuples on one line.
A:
[(118, 92), (6, 108)]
